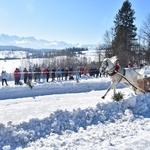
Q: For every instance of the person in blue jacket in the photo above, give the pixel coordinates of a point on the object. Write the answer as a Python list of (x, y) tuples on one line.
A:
[(4, 77)]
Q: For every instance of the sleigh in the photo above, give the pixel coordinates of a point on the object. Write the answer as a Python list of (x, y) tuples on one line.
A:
[(144, 84)]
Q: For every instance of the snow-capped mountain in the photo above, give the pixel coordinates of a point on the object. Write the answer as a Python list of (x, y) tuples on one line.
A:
[(31, 42)]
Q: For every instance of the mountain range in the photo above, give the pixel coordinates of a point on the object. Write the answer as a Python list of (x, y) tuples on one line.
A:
[(32, 42)]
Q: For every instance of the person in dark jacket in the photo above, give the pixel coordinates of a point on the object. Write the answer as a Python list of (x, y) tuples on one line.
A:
[(53, 74), (62, 73), (39, 74), (35, 74), (25, 75), (66, 73), (30, 75), (47, 74)]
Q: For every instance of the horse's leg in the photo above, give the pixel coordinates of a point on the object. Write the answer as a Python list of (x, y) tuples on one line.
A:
[(114, 89), (113, 85), (106, 92)]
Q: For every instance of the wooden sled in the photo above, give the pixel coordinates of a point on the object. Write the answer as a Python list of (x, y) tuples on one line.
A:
[(144, 83)]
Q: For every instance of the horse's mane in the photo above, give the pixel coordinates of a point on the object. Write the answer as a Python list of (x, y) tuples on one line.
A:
[(113, 59)]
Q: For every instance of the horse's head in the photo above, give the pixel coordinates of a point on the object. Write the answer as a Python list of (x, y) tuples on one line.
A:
[(107, 65)]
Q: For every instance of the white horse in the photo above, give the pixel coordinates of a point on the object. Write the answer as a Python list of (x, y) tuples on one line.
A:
[(119, 75)]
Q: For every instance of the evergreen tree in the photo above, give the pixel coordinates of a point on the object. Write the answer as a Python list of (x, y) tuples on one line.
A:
[(124, 32)]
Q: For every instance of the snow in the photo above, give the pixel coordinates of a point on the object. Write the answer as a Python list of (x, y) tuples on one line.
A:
[(64, 115)]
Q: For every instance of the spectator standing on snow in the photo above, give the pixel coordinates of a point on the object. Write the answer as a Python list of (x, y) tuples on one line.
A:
[(77, 74), (47, 74), (16, 76), (62, 73), (85, 70), (35, 74), (53, 74), (80, 71), (30, 75), (25, 75), (4, 77), (44, 74), (66, 73), (19, 74), (96, 72), (58, 73), (39, 73), (70, 72)]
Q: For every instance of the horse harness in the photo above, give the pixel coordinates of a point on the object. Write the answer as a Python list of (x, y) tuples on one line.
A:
[(115, 71)]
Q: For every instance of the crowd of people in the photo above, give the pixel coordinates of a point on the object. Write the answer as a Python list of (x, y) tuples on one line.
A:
[(49, 75)]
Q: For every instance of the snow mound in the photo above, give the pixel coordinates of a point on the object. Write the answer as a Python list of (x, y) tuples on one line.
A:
[(60, 122)]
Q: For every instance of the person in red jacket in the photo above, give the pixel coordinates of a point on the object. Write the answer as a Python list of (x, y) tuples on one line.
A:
[(16, 76), (44, 72)]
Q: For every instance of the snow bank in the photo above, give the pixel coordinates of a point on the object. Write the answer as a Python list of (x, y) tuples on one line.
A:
[(60, 122), (57, 87)]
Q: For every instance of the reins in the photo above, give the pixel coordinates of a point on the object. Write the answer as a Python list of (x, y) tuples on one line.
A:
[(131, 82)]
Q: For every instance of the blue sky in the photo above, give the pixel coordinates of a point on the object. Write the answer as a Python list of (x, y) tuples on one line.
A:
[(71, 21)]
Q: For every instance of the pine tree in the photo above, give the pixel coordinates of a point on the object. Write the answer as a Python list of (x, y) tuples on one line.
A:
[(124, 32)]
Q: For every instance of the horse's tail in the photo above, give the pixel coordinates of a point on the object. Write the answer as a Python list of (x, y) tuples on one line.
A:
[(140, 73)]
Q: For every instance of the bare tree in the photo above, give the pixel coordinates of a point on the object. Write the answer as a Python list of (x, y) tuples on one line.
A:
[(145, 37), (99, 55), (145, 31), (108, 37)]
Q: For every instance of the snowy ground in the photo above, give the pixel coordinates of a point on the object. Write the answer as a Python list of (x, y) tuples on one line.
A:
[(67, 115)]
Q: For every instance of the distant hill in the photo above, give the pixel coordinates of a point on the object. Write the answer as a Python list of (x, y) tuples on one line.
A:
[(33, 43)]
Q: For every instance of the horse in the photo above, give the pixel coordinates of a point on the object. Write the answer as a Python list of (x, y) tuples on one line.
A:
[(120, 75)]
